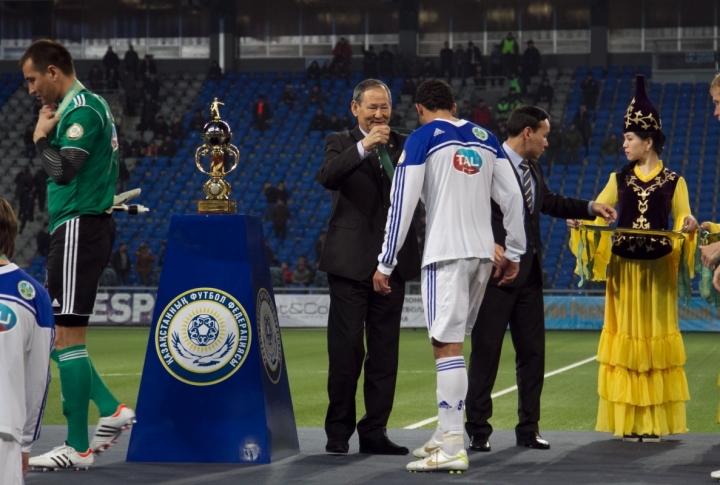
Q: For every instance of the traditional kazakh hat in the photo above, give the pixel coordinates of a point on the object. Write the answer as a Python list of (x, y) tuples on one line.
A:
[(641, 115)]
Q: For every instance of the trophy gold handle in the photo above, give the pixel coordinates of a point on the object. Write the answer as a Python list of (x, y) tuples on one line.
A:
[(232, 149), (201, 152)]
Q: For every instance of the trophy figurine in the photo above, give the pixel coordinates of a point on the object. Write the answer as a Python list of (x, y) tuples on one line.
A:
[(216, 134)]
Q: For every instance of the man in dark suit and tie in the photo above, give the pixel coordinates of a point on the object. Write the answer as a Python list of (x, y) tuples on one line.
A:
[(519, 303), (360, 185)]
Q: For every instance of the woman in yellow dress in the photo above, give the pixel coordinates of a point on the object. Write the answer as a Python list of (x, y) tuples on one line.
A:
[(641, 382)]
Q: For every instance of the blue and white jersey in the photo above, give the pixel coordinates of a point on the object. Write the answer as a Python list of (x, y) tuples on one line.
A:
[(455, 167), (27, 336)]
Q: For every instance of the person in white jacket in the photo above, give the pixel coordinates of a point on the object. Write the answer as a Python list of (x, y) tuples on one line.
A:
[(455, 167), (27, 335)]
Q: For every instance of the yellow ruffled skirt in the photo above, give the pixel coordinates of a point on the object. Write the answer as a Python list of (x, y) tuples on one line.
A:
[(641, 382)]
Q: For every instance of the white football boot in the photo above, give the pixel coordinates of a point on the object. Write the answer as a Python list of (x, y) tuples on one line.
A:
[(62, 458), (427, 449), (715, 475), (438, 461), (109, 429)]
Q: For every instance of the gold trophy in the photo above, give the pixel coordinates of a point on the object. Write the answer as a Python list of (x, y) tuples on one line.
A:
[(216, 134)]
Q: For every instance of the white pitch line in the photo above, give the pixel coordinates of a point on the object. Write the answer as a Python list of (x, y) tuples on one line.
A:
[(424, 422)]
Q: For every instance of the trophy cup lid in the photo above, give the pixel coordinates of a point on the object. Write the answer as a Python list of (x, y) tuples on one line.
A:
[(216, 132)]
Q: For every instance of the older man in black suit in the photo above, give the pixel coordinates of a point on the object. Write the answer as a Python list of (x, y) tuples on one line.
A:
[(520, 303), (360, 185)]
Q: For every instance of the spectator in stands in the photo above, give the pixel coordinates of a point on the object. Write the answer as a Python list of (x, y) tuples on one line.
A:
[(271, 197), (590, 91), (132, 93), (160, 128), (110, 60), (478, 77), (342, 56), (428, 68), (386, 59), (42, 241), (108, 277), (214, 72), (197, 122), (514, 99), (123, 146), (280, 216), (168, 147), (176, 128), (326, 72), (288, 96), (466, 112), (496, 63), (319, 121), (473, 59), (481, 114), (117, 112), (583, 123), (302, 275), (319, 245), (502, 133), (40, 186), (120, 261), (396, 119), (545, 93), (147, 115), (112, 79), (572, 141), (446, 61), (144, 258), (147, 66), (502, 109), (152, 86), (24, 193), (317, 96), (261, 113), (152, 150), (370, 62), (272, 260), (334, 123), (286, 272), (510, 51), (123, 175), (612, 146), (131, 59), (408, 87), (95, 78), (531, 60), (346, 123), (555, 144), (138, 147), (459, 64), (399, 64), (282, 193), (30, 150), (313, 71), (516, 83)]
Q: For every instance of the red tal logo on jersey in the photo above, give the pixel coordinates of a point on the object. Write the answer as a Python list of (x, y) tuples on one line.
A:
[(467, 161)]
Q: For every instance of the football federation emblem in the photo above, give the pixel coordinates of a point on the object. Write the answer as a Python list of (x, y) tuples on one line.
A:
[(26, 290), (203, 336), (75, 132), (467, 161), (480, 134), (268, 327), (8, 319)]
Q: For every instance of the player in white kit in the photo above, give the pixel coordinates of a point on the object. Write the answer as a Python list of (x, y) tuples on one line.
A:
[(27, 334), (454, 167)]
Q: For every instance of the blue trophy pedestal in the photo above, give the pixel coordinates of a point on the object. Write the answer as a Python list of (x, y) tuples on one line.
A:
[(214, 387)]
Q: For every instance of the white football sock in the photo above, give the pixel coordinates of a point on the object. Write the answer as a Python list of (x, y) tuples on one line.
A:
[(452, 384)]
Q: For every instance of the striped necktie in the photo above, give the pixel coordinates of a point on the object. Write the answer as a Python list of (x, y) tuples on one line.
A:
[(527, 184)]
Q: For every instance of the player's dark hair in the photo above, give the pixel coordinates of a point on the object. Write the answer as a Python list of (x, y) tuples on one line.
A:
[(45, 53), (8, 228), (525, 116), (658, 138), (435, 94)]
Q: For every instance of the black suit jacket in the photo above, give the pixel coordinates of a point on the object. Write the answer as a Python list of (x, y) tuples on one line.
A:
[(360, 201), (546, 202)]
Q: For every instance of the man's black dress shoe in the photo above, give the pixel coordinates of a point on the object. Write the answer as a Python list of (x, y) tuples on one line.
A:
[(382, 446), (337, 447), (479, 442), (533, 440)]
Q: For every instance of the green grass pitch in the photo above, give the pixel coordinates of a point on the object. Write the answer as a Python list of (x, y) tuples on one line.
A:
[(569, 400)]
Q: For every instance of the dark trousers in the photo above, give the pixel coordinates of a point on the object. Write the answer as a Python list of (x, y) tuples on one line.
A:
[(521, 307), (356, 311)]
